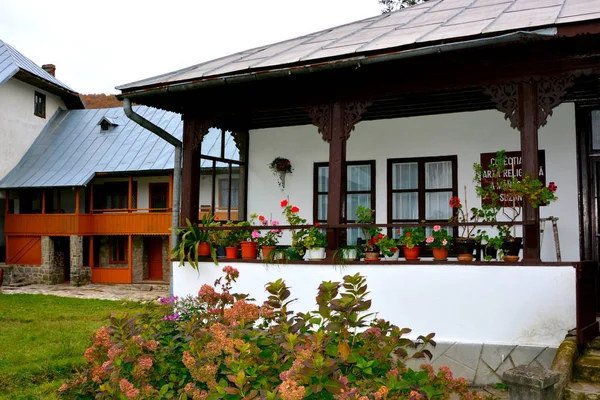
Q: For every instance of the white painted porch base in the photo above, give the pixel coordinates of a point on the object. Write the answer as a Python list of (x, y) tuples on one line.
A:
[(486, 318)]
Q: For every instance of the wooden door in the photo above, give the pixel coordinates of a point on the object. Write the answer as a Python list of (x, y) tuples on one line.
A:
[(155, 259)]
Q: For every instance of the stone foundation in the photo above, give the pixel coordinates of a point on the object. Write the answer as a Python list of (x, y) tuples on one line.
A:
[(140, 260), (80, 274), (49, 273), (484, 364)]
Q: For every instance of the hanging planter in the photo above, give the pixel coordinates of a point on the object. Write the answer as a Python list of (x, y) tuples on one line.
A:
[(280, 167)]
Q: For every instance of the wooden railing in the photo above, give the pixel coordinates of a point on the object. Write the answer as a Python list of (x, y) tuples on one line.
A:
[(88, 224)]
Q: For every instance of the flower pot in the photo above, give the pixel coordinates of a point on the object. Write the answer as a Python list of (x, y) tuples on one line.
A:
[(464, 246), (371, 256), (249, 250), (203, 249), (316, 254), (349, 254), (231, 252), (393, 257), (440, 254), (221, 252), (512, 246), (266, 251), (411, 254), (511, 258)]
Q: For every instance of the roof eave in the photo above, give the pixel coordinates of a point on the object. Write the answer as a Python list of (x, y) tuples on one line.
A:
[(278, 71)]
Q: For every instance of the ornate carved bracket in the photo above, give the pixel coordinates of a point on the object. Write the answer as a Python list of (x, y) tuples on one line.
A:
[(239, 138), (194, 132), (550, 92), (322, 117)]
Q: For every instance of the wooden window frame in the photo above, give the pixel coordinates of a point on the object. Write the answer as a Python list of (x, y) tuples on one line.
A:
[(151, 188), (316, 191), (39, 104), (114, 244), (421, 191)]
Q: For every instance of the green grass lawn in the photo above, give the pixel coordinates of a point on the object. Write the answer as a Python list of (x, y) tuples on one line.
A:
[(43, 337)]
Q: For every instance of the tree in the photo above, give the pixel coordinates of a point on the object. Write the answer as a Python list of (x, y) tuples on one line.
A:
[(393, 5), (100, 101)]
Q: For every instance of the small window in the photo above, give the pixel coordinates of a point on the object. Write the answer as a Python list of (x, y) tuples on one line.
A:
[(225, 193), (39, 106), (118, 250)]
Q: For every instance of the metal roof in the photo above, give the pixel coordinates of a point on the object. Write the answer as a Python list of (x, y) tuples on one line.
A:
[(72, 148), (418, 26), (11, 61)]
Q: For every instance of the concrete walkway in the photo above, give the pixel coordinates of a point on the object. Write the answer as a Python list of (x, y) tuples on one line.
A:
[(135, 292)]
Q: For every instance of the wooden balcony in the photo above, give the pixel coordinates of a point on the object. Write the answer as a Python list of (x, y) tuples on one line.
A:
[(135, 223)]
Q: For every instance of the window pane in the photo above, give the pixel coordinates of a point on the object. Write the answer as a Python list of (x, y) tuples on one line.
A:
[(359, 178), (405, 206), (231, 150), (355, 200), (352, 234), (405, 176), (436, 205), (323, 185), (322, 207), (438, 175), (596, 129), (211, 143)]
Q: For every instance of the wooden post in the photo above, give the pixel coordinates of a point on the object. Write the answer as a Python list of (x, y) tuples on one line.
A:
[(43, 201), (129, 194), (528, 110), (130, 257), (91, 198), (170, 198), (77, 200), (91, 254), (337, 176), (7, 204)]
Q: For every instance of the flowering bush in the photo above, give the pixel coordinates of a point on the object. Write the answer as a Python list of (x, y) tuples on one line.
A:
[(232, 348), (439, 238), (293, 218), (411, 237), (270, 237)]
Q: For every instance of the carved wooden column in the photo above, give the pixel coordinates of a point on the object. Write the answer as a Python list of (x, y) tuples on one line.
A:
[(528, 104), (335, 121), (194, 131), (241, 138)]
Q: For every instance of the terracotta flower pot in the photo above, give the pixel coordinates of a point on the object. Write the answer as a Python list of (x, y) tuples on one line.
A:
[(203, 249), (231, 252), (411, 254), (249, 250), (266, 251), (440, 254), (371, 256)]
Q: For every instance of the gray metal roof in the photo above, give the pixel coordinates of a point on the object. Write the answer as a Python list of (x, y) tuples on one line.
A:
[(72, 148), (11, 61), (417, 26)]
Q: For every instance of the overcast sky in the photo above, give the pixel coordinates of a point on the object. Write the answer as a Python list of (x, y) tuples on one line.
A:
[(97, 45)]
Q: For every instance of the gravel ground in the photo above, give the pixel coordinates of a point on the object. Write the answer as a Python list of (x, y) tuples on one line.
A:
[(139, 292)]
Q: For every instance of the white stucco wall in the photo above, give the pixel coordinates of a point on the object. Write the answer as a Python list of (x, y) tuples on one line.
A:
[(460, 303), (18, 125), (463, 134)]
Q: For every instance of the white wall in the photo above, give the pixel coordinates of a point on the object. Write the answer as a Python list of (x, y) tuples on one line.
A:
[(18, 125), (463, 134), (460, 303)]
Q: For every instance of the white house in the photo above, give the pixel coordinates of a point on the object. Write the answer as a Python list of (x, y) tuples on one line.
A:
[(392, 112), (30, 97)]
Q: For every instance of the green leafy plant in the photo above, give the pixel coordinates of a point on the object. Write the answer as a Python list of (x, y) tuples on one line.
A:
[(191, 237), (315, 238), (224, 346), (293, 217), (387, 245), (411, 236), (366, 215)]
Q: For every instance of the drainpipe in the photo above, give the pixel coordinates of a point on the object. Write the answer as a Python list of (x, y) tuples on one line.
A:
[(143, 122)]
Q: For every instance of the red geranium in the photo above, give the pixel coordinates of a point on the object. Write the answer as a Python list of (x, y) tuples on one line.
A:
[(295, 209), (552, 187), (261, 218), (316, 224), (454, 202), (284, 203)]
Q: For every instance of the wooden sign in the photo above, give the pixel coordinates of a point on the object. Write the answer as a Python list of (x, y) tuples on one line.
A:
[(513, 167)]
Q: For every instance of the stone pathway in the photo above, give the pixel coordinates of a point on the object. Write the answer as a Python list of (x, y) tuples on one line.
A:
[(135, 292)]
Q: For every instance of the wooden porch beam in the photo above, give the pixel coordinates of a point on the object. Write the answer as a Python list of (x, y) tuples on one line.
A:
[(77, 200), (43, 201), (194, 131), (528, 110), (129, 194)]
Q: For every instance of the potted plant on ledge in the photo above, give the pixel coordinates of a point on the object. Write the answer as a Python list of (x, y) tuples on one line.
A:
[(366, 215), (388, 247), (410, 239), (315, 243), (267, 241), (439, 241)]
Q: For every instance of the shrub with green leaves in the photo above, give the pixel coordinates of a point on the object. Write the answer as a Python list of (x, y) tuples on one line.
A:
[(222, 345)]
